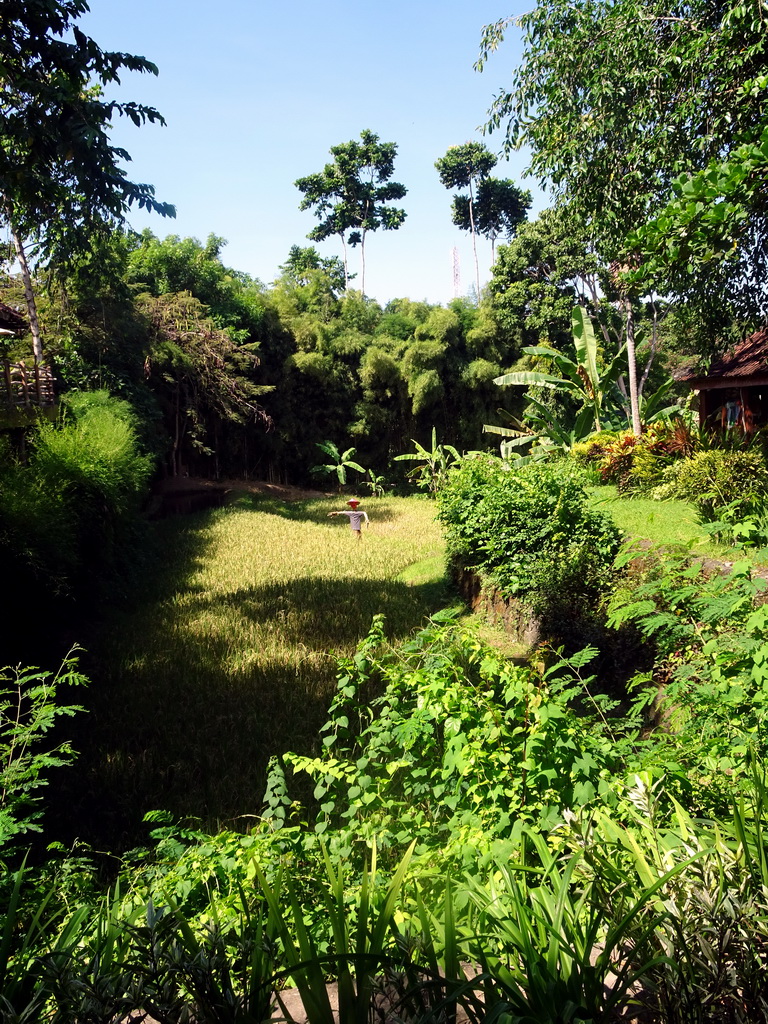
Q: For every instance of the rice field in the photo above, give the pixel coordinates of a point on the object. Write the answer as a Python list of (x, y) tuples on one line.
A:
[(228, 655)]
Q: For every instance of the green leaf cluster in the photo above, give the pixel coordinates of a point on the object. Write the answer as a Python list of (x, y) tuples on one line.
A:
[(68, 519), (29, 708), (531, 531), (711, 658), (458, 750)]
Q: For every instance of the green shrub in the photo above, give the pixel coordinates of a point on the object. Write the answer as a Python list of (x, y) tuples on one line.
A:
[(93, 452), (709, 685), (461, 747), (531, 531), (713, 480), (70, 512), (591, 451), (637, 464)]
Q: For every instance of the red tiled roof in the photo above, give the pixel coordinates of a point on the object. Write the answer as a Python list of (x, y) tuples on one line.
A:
[(11, 320), (746, 359)]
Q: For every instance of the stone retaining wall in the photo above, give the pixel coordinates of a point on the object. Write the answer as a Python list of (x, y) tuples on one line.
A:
[(514, 616)]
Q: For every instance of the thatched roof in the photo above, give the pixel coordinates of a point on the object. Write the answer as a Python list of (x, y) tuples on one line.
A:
[(747, 360)]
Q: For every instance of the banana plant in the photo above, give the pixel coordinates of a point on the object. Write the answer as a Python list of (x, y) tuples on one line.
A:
[(375, 484), (582, 378), (341, 462), (432, 469), (545, 435)]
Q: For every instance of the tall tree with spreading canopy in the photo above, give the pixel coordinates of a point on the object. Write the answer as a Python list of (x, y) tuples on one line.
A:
[(61, 180), (617, 99), (462, 167), (351, 195), (500, 207)]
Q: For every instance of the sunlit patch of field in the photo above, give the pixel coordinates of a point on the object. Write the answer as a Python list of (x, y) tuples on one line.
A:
[(228, 656)]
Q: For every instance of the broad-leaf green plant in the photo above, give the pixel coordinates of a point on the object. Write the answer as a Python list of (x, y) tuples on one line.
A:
[(375, 484), (340, 462), (583, 378), (431, 471)]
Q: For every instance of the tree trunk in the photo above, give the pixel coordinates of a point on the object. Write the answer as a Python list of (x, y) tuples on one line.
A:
[(29, 294), (346, 269), (362, 263), (634, 400), (474, 237), (652, 352)]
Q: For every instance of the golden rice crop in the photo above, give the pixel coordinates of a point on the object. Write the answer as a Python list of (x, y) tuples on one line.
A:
[(230, 655)]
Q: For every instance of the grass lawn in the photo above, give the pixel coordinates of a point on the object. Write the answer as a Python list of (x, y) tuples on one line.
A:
[(666, 522), (224, 658), (663, 522)]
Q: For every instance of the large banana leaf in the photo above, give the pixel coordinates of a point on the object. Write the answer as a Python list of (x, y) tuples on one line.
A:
[(489, 428), (651, 407), (585, 343), (544, 380)]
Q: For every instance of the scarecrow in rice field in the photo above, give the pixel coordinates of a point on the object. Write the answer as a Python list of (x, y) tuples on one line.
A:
[(356, 517)]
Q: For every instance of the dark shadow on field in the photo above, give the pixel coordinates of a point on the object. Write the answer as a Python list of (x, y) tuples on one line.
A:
[(337, 612), (172, 727), (314, 510)]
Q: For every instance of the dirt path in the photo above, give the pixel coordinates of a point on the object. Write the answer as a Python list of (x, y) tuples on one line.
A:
[(189, 484)]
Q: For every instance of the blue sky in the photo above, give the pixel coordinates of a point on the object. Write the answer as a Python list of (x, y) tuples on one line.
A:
[(255, 94)]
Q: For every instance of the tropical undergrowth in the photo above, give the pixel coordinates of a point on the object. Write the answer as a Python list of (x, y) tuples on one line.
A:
[(723, 476), (480, 812), (227, 655), (70, 515), (530, 531), (582, 854)]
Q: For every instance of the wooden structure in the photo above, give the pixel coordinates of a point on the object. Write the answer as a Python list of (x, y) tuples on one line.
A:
[(25, 391), (733, 393), (22, 386)]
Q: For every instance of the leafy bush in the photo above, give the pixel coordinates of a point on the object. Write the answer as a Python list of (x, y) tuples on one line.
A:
[(713, 480), (93, 454), (70, 511), (709, 685), (530, 531), (636, 464), (458, 751)]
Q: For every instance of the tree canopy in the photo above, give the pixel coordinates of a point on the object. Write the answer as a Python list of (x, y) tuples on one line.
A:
[(617, 100), (462, 167), (62, 182), (499, 208), (351, 195)]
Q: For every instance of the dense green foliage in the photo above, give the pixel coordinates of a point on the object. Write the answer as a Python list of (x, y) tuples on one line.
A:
[(61, 180), (582, 840), (530, 531), (669, 94), (710, 646), (233, 378), (69, 516), (637, 464), (716, 478), (457, 751), (574, 867)]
